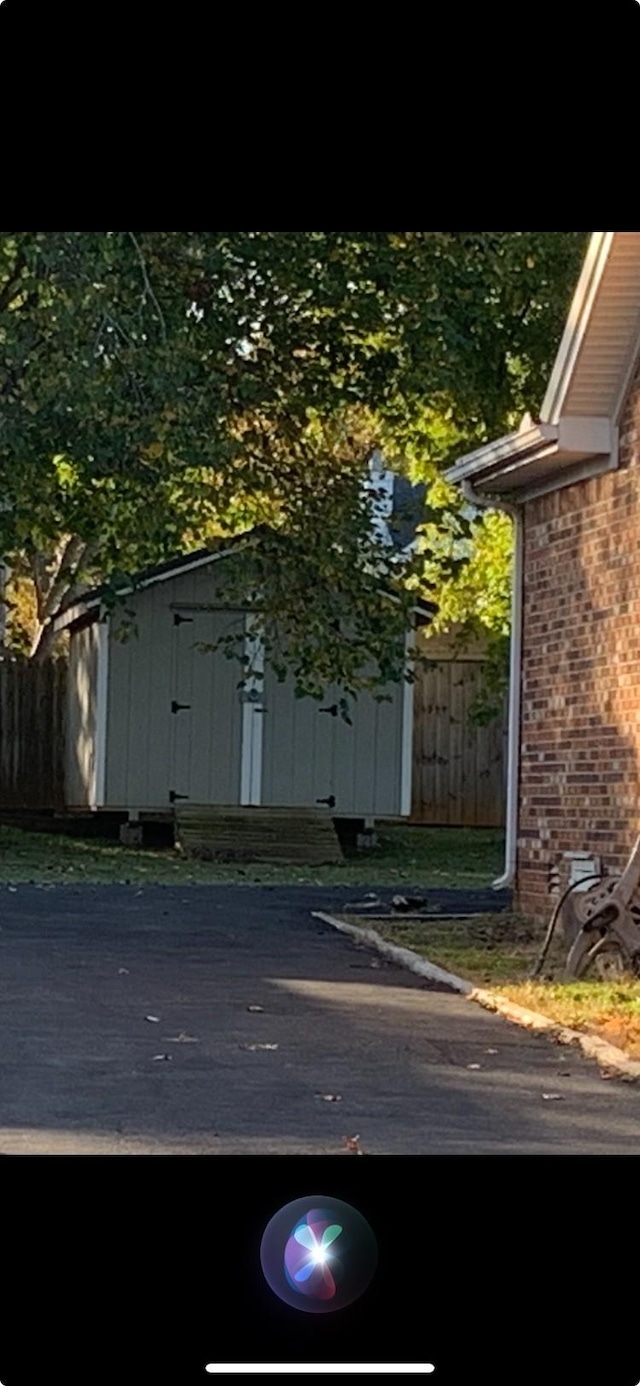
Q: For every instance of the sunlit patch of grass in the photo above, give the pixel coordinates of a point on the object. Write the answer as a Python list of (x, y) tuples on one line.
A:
[(611, 1010), (499, 953)]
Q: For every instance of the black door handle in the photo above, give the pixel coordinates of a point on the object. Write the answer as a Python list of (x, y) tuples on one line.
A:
[(330, 800), (179, 707)]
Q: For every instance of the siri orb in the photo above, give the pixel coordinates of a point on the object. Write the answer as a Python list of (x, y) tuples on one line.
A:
[(318, 1254)]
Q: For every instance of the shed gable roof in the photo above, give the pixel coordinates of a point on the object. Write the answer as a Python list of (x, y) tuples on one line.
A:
[(91, 600), (88, 607)]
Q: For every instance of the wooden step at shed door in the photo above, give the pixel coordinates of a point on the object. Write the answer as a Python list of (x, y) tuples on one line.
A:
[(271, 836)]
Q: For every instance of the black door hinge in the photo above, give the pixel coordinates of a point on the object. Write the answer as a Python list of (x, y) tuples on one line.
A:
[(179, 707), (333, 710), (173, 796), (179, 620), (331, 801)]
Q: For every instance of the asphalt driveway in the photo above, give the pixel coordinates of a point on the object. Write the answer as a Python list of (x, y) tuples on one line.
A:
[(82, 1071)]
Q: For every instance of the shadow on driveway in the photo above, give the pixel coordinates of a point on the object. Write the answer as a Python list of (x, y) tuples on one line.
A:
[(80, 1071)]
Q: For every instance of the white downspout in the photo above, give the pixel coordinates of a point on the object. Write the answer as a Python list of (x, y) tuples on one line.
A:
[(507, 879)]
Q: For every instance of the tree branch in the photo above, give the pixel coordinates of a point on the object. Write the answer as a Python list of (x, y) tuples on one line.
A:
[(38, 576), (77, 555), (147, 284)]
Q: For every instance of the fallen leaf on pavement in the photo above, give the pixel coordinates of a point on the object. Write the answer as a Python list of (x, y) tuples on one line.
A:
[(490, 1051), (330, 1096), (474, 1065), (256, 1010), (253, 1047), (552, 1097), (182, 1039), (162, 1056), (154, 1019), (353, 1145), (123, 971)]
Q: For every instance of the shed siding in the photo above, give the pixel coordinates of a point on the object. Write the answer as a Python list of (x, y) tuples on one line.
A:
[(145, 741), (80, 763), (310, 755), (139, 705), (580, 722)]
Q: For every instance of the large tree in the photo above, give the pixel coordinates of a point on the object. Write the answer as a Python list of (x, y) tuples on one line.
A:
[(159, 387)]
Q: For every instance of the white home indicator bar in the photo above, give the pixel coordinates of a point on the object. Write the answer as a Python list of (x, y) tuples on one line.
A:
[(337, 1368)]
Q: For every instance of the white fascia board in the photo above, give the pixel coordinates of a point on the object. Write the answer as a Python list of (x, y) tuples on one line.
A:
[(572, 466), (73, 613), (585, 436), (252, 717), (517, 464), (81, 608), (102, 694), (570, 475), (576, 325), (517, 445), (575, 440)]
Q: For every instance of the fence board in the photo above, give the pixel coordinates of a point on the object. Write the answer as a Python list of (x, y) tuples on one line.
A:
[(32, 717), (459, 769)]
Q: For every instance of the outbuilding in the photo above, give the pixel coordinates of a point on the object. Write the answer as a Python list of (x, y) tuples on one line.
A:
[(156, 722)]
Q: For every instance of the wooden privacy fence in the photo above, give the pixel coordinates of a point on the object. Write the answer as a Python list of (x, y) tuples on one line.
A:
[(459, 769), (32, 703)]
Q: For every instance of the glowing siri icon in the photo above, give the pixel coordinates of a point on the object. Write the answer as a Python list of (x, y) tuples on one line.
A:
[(307, 1257), (318, 1254)]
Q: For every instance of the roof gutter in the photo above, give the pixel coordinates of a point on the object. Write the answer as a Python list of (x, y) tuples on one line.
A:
[(513, 451), (507, 879)]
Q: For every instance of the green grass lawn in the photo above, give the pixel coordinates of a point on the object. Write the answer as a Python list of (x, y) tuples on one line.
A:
[(404, 856), (499, 953), (496, 952)]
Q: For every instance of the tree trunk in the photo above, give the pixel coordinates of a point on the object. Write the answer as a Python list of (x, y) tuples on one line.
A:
[(56, 584), (43, 642)]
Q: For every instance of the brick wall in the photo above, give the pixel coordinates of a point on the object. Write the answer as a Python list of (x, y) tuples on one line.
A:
[(580, 719)]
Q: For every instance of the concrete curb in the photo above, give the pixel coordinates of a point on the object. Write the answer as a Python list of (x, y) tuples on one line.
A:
[(612, 1061)]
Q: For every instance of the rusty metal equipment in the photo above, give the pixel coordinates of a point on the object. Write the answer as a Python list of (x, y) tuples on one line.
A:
[(602, 924)]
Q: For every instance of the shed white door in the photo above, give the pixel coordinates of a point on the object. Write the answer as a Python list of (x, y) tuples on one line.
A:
[(311, 756), (206, 710)]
